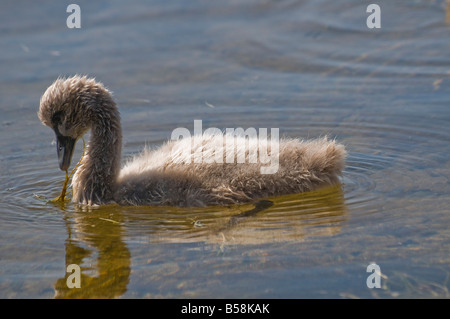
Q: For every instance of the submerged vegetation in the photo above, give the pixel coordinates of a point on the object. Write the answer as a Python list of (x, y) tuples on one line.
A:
[(62, 197)]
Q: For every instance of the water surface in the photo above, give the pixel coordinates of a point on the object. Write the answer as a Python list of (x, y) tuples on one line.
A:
[(310, 68)]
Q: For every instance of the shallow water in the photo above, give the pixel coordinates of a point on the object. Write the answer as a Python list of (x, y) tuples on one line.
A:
[(310, 68)]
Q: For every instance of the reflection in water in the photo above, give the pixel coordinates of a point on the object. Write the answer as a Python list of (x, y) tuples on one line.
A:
[(291, 218), (447, 12), (109, 275), (278, 219), (95, 239), (236, 219)]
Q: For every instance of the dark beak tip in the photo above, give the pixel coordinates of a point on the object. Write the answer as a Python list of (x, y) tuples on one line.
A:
[(64, 147)]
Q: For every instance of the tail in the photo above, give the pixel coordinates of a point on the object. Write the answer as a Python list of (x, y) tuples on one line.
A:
[(324, 158)]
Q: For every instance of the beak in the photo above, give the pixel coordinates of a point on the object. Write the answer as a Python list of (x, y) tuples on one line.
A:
[(64, 148)]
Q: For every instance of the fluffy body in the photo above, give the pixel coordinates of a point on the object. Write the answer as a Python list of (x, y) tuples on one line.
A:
[(169, 175)]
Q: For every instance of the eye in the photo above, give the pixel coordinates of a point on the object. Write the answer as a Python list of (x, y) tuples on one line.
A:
[(57, 118)]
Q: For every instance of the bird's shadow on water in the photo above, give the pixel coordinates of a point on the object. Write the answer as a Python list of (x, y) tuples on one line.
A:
[(96, 237)]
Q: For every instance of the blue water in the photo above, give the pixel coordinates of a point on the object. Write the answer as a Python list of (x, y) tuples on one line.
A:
[(309, 68)]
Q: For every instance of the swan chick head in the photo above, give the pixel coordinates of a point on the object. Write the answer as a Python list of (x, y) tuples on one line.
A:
[(68, 107)]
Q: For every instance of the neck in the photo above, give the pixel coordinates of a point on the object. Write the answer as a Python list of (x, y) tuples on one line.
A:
[(95, 180)]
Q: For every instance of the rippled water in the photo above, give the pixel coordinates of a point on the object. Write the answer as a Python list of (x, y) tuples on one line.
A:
[(310, 68)]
